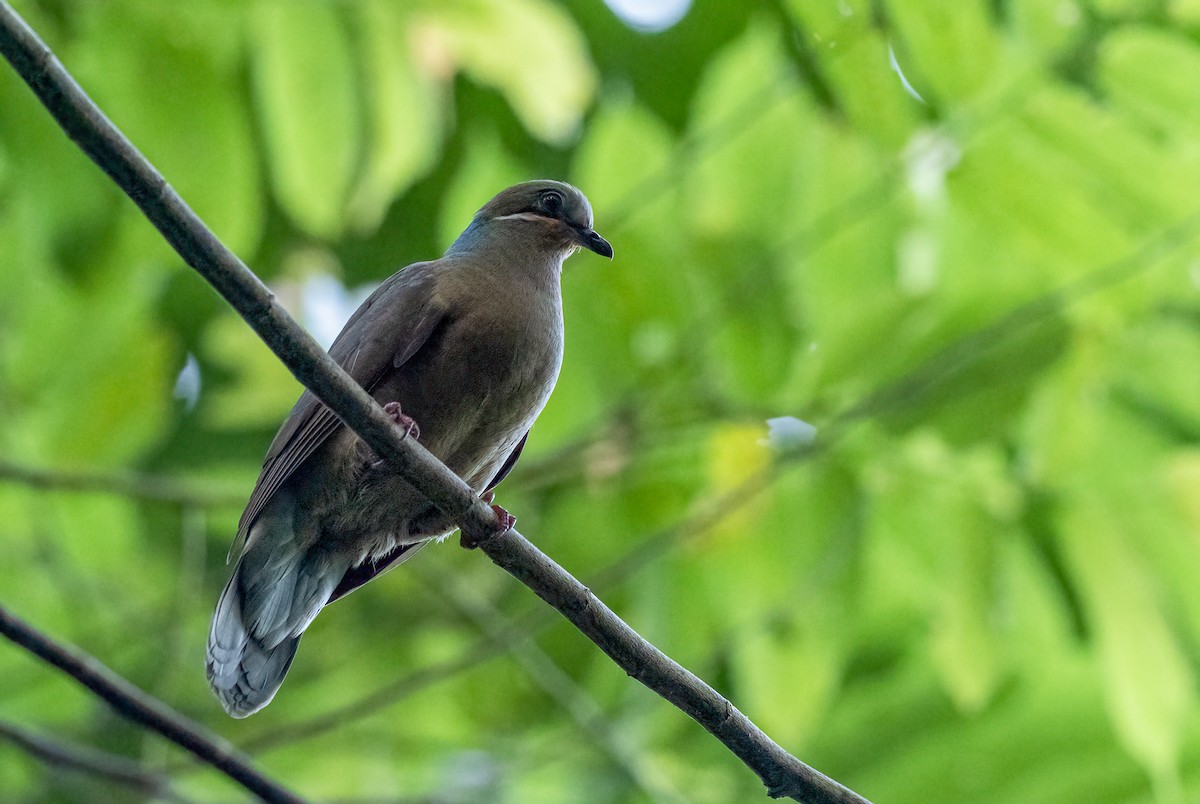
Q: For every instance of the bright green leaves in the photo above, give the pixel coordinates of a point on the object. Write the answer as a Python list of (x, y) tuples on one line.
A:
[(353, 100), (177, 96), (853, 55), (403, 113), (1124, 536), (305, 91), (258, 390), (1048, 27), (83, 368), (981, 586), (747, 120), (637, 208), (527, 49), (1150, 687), (939, 519), (950, 52), (1155, 76)]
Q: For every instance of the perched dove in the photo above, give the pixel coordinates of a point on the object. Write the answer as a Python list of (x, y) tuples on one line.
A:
[(468, 346)]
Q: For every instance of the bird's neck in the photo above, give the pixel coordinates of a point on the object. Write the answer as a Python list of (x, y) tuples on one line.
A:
[(515, 249)]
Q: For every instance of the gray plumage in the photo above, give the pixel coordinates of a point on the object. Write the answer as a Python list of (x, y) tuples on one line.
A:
[(470, 346)]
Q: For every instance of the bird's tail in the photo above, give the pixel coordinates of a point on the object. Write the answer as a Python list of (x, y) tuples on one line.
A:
[(270, 600), (244, 671)]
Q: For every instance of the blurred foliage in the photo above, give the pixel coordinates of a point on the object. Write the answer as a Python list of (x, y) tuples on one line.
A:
[(980, 283)]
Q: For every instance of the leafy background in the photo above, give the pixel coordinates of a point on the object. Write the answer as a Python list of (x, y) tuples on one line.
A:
[(958, 238)]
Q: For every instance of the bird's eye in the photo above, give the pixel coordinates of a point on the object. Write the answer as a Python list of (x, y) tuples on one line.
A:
[(552, 202)]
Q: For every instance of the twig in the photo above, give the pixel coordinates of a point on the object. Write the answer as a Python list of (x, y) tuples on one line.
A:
[(118, 769), (139, 707), (520, 629), (137, 486), (783, 774)]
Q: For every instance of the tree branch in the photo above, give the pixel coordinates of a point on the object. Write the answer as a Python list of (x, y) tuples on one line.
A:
[(139, 707), (117, 769), (522, 629), (782, 773), (132, 485)]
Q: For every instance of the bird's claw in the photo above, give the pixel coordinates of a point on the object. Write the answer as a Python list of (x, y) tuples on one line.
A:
[(504, 520), (406, 423), (504, 523)]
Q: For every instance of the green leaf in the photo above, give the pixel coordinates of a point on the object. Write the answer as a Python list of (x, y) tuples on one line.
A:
[(305, 93), (404, 126), (115, 370), (1149, 685), (187, 114), (530, 50), (949, 51), (748, 125), (852, 53), (938, 520), (805, 654), (1049, 26), (635, 310), (258, 390), (1155, 76)]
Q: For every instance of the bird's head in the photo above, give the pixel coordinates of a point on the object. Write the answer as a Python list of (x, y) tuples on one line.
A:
[(552, 211)]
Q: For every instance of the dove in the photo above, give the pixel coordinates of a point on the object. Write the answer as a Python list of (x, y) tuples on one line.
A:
[(463, 352)]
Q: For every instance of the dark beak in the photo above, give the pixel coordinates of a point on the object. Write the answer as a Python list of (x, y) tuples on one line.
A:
[(594, 242)]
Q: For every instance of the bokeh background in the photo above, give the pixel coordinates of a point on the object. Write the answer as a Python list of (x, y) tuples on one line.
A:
[(958, 238)]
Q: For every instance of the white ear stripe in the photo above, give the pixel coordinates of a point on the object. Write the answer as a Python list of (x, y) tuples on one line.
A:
[(522, 216)]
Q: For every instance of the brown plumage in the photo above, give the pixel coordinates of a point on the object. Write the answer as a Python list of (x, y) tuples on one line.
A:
[(470, 346)]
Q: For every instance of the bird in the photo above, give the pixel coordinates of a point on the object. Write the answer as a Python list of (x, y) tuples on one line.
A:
[(463, 353)]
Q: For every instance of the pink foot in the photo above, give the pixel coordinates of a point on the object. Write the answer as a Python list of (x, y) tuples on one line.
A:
[(504, 520), (504, 523), (406, 423)]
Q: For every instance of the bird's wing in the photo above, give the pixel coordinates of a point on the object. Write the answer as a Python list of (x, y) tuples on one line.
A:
[(384, 333), (509, 463), (369, 570)]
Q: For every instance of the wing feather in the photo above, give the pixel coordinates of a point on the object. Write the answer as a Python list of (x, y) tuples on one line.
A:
[(508, 464), (406, 314)]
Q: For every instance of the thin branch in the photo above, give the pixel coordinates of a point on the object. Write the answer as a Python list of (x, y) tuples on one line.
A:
[(84, 759), (935, 369), (132, 703), (782, 773), (129, 484), (521, 629), (372, 703)]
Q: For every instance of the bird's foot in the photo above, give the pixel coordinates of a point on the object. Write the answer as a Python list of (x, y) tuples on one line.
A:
[(504, 520), (504, 523), (406, 423)]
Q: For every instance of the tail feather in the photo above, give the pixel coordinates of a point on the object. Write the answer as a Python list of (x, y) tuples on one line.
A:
[(243, 672), (257, 626)]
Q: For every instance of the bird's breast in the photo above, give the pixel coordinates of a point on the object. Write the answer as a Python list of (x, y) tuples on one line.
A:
[(478, 388), (514, 362)]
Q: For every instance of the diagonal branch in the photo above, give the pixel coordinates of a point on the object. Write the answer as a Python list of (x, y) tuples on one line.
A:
[(782, 773), (519, 630), (134, 486), (136, 705), (117, 769)]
